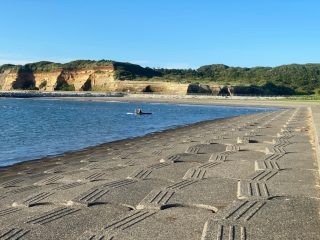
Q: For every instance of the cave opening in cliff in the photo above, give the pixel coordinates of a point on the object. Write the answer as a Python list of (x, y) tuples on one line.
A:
[(148, 89), (87, 86), (225, 91), (25, 80)]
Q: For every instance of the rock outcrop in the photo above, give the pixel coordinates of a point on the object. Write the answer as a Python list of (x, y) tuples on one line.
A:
[(92, 78), (147, 87), (80, 79), (6, 79)]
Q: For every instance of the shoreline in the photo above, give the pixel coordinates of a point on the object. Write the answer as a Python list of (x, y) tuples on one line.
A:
[(242, 171), (115, 142), (154, 99), (196, 100)]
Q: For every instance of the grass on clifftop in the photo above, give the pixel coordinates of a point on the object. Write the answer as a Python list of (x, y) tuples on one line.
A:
[(46, 66)]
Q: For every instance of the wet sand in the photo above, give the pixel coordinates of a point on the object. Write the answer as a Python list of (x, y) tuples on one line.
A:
[(246, 177)]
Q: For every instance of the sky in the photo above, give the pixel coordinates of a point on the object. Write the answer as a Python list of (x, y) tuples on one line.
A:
[(161, 33)]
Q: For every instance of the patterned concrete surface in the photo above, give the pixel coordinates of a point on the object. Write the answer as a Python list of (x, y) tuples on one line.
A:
[(248, 177)]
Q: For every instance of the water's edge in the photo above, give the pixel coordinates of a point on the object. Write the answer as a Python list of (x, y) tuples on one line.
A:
[(65, 127), (125, 140)]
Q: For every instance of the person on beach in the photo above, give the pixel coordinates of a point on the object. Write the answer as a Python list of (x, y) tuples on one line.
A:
[(138, 111)]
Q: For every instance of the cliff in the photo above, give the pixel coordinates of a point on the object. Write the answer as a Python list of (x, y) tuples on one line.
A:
[(58, 79), (107, 75), (94, 76)]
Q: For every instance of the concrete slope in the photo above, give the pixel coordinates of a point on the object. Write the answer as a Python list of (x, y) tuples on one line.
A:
[(248, 177)]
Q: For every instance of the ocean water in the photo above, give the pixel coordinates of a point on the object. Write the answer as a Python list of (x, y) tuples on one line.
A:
[(35, 128)]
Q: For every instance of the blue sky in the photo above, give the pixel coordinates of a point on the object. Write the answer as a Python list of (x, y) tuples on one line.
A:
[(162, 33)]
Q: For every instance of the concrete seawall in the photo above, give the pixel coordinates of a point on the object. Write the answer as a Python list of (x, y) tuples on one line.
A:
[(316, 125), (247, 177)]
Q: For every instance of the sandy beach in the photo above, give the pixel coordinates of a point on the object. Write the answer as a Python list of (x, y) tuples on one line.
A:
[(247, 177), (204, 99)]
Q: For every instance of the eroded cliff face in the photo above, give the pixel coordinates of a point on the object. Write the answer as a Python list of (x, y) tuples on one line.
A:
[(8, 78), (81, 79), (100, 78), (3, 77), (46, 81), (12, 80), (147, 86), (87, 79)]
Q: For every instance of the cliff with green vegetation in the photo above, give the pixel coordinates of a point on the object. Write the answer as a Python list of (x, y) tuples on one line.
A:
[(107, 75)]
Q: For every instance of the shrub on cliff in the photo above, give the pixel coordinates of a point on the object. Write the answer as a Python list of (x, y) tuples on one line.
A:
[(6, 67), (128, 71), (43, 66), (268, 88), (301, 78), (78, 64), (43, 84), (64, 86)]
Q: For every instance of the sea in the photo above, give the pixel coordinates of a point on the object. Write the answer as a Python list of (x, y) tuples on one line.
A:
[(36, 128)]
